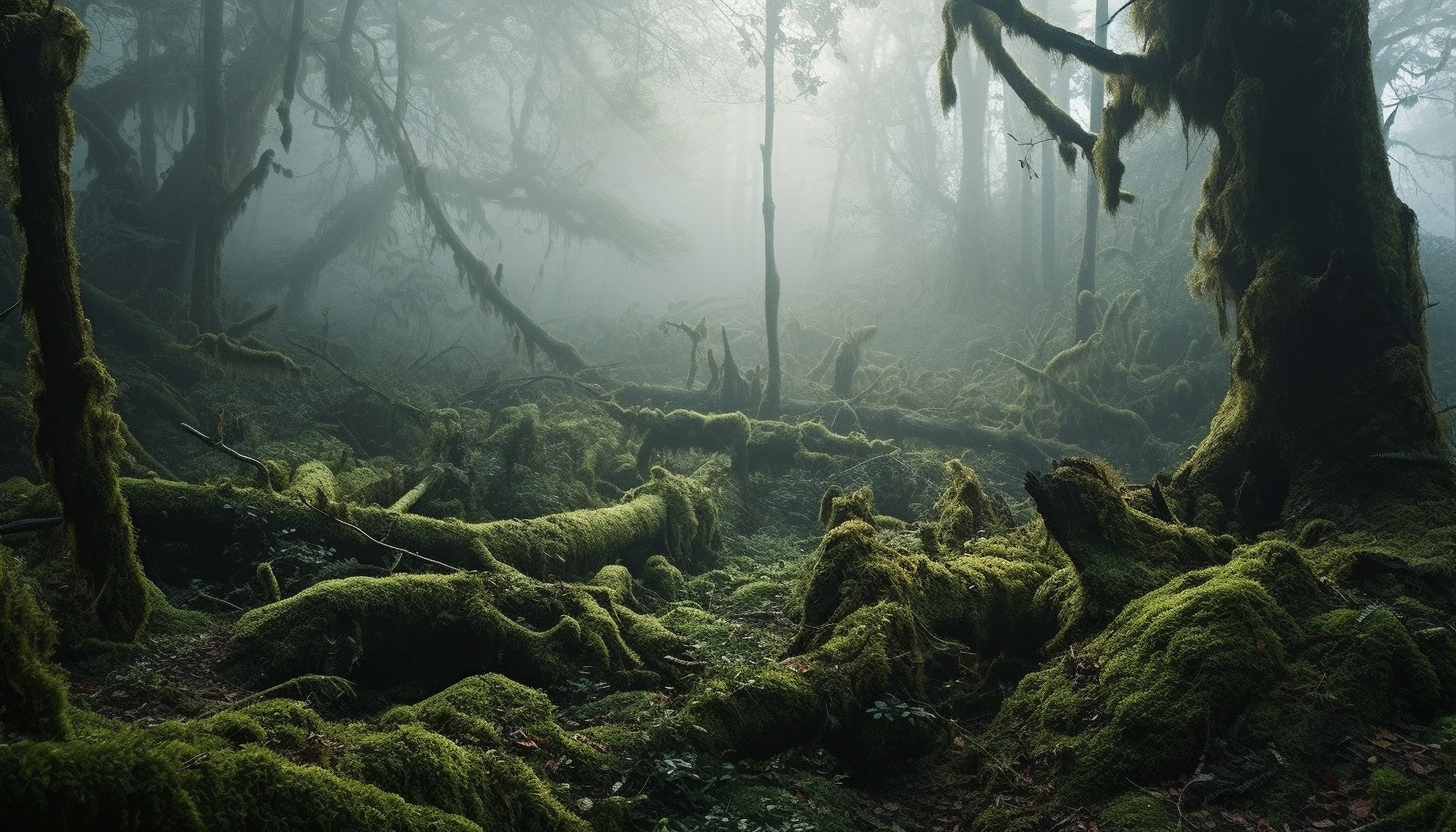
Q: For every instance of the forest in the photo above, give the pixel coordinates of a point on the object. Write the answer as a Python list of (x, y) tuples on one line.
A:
[(728, 415)]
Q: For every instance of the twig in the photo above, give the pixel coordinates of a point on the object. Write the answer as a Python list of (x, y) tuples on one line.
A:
[(218, 444), (419, 415), (29, 524), (372, 539)]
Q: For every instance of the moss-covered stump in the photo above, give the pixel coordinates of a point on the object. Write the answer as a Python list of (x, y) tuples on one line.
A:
[(667, 512), (426, 631), (1118, 552), (983, 599)]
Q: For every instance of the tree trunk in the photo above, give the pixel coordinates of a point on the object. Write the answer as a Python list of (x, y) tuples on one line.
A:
[(970, 267), (772, 10), (1085, 322), (1329, 411), (79, 434), (205, 305)]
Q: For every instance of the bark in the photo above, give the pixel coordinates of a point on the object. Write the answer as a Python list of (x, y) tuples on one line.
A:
[(1329, 411), (79, 436), (205, 303)]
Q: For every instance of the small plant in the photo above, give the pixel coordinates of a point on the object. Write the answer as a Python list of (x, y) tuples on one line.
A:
[(893, 707)]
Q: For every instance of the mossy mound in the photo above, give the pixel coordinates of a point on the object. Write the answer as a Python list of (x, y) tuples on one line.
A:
[(1138, 702), (430, 630)]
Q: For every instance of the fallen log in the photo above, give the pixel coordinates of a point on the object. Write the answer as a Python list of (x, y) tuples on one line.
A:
[(667, 514), (875, 421)]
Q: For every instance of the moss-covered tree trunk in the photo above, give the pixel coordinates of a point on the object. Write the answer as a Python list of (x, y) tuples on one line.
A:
[(1301, 233), (79, 434)]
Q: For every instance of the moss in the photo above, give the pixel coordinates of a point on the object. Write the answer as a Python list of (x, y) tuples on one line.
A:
[(616, 579), (681, 430), (663, 579), (1392, 788), (287, 724), (513, 441), (423, 768), (427, 630), (1434, 811), (32, 690), (1137, 702), (753, 712), (313, 482), (1119, 553), (1371, 664), (964, 510), (666, 509), (1139, 812), (224, 350), (226, 787), (104, 785), (266, 583)]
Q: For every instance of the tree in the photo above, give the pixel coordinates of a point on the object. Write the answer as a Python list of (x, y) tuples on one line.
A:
[(815, 24), (1300, 234), (79, 435), (1084, 322)]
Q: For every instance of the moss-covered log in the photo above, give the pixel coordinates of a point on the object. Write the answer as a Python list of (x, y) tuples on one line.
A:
[(668, 514), (79, 436), (875, 421), (426, 631)]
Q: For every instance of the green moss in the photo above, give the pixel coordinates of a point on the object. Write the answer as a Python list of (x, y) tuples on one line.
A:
[(964, 510), (32, 690), (111, 784), (423, 768), (617, 580), (1176, 666), (266, 582), (666, 581), (1434, 811), (1139, 812), (313, 482), (1370, 662), (428, 630), (224, 350), (254, 789)]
